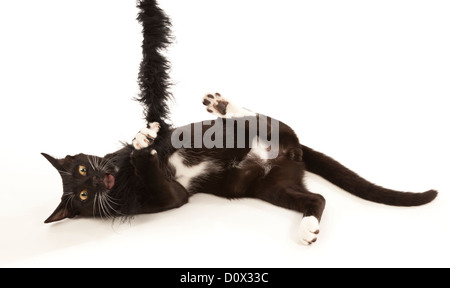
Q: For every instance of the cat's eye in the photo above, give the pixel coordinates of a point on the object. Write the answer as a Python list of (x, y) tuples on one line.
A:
[(82, 170), (83, 195)]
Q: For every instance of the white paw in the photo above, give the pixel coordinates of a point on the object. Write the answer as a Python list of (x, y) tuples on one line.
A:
[(140, 141), (216, 104), (151, 131), (309, 228), (145, 137), (153, 128)]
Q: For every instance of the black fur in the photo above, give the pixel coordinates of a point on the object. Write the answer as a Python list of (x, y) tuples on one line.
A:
[(348, 180)]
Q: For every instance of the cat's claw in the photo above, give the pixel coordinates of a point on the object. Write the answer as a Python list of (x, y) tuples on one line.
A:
[(309, 228), (146, 136)]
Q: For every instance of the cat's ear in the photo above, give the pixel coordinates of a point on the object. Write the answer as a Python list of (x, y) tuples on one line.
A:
[(58, 163), (63, 211)]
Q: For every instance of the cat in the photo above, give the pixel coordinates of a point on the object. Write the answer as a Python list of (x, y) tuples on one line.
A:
[(240, 154), (235, 156)]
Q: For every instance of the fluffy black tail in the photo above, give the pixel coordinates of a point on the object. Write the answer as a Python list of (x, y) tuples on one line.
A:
[(153, 75), (348, 180)]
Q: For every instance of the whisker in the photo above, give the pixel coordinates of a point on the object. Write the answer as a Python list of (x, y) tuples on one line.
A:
[(105, 204), (102, 166), (100, 207), (95, 205), (107, 201), (64, 172), (108, 210), (69, 199), (107, 163), (97, 160), (111, 199), (90, 162)]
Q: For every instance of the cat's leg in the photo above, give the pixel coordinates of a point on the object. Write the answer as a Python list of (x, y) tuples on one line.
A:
[(283, 186), (301, 200), (146, 136), (163, 194), (220, 106)]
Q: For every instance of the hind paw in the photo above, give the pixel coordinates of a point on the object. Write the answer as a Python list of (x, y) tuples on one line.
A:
[(216, 104), (309, 229)]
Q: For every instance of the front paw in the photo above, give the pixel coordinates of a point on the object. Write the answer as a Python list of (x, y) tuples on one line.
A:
[(146, 136)]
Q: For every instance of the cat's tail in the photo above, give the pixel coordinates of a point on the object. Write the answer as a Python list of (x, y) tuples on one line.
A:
[(153, 75), (348, 180)]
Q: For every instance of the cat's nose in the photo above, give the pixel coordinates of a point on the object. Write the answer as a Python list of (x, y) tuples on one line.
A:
[(98, 180)]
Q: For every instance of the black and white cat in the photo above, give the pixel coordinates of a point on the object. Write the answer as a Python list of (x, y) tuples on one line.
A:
[(240, 154)]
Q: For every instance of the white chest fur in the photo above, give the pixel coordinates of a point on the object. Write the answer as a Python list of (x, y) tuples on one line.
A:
[(183, 173)]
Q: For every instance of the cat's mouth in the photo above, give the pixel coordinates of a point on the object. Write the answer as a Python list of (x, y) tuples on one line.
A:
[(109, 181)]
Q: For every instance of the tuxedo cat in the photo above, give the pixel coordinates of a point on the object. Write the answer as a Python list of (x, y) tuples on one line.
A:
[(240, 154)]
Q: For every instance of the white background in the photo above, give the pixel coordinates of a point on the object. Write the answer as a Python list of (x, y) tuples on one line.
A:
[(366, 82)]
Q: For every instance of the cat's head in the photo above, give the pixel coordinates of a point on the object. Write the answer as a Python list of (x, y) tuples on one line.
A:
[(87, 181)]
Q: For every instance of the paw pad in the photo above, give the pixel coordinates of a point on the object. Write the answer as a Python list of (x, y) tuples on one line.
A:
[(215, 104)]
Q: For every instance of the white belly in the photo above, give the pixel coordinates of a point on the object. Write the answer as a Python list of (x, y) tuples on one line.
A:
[(183, 173)]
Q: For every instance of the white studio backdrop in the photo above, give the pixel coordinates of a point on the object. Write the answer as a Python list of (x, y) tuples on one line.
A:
[(366, 82)]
